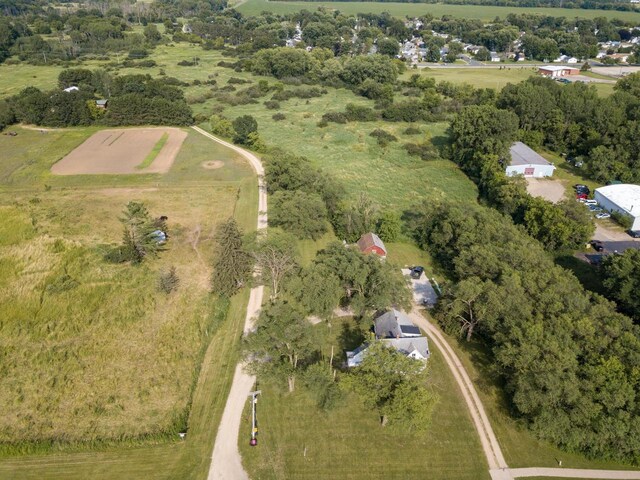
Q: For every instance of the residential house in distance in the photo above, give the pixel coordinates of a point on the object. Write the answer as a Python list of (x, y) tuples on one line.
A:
[(526, 161), (395, 324), (371, 243), (494, 56)]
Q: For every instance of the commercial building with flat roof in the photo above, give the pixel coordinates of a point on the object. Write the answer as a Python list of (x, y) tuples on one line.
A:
[(622, 198)]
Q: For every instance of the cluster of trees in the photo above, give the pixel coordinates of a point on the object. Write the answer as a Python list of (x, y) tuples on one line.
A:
[(621, 279), (574, 120), (567, 358), (133, 100), (481, 137)]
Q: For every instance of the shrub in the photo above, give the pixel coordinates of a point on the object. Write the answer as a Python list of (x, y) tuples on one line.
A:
[(356, 113), (335, 117), (120, 254), (425, 151), (168, 281), (272, 105), (188, 63), (412, 131), (221, 126), (279, 116), (623, 220), (383, 136), (237, 81)]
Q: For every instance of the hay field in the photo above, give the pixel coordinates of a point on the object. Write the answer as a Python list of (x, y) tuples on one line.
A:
[(91, 352), (124, 151)]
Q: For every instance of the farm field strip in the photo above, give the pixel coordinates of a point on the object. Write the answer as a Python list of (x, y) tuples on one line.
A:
[(488, 13)]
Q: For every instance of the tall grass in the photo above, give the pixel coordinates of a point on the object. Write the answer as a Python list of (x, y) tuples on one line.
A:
[(151, 156)]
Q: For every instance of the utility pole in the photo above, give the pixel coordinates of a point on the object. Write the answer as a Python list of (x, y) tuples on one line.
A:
[(254, 428)]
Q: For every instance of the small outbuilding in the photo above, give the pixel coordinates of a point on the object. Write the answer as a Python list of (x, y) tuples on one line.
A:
[(526, 161), (395, 324), (371, 243), (102, 103), (622, 198)]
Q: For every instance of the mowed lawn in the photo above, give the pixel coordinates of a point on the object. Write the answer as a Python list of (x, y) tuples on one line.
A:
[(483, 12), (91, 354), (348, 441)]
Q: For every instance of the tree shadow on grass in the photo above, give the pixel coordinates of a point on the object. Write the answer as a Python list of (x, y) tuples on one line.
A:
[(351, 337), (587, 274)]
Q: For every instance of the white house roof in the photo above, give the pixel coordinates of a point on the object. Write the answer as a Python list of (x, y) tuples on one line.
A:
[(555, 68), (624, 195), (521, 154), (394, 324), (407, 346)]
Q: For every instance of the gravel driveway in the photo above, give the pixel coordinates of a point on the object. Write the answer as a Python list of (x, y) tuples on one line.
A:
[(548, 189)]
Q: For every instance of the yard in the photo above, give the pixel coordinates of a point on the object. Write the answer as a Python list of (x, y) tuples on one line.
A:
[(296, 440), (92, 355)]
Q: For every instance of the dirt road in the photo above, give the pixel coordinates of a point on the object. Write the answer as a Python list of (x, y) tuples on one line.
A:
[(226, 463)]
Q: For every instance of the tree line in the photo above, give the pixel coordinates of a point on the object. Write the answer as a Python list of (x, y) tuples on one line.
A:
[(132, 100)]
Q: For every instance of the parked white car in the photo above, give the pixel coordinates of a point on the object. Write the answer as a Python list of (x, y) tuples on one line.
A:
[(590, 202), (603, 215)]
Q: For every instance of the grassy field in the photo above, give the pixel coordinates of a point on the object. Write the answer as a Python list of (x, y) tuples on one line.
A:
[(91, 352), (254, 7), (151, 156), (349, 443)]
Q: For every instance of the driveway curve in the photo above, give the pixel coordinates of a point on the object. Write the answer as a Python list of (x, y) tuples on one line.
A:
[(226, 463)]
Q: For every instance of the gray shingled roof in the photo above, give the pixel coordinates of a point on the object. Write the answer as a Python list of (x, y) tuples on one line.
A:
[(394, 324), (521, 154), (408, 345)]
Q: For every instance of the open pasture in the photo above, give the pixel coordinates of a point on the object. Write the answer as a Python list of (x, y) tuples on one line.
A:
[(123, 151), (90, 351), (483, 12)]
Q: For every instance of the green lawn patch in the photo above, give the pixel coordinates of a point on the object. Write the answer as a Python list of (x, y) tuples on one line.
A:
[(151, 156), (349, 443)]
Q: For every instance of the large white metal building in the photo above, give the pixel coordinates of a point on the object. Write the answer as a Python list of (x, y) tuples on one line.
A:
[(623, 198), (526, 161)]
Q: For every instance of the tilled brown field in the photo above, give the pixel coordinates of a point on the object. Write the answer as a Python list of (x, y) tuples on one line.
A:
[(120, 151)]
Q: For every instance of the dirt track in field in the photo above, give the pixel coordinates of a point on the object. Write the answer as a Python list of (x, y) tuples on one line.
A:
[(120, 151)]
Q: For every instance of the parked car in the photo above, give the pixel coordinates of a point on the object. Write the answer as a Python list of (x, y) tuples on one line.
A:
[(416, 272), (595, 208), (603, 215), (597, 245), (634, 233), (581, 197), (591, 202), (580, 186)]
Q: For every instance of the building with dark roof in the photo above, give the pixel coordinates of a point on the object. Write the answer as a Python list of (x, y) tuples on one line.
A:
[(395, 324)]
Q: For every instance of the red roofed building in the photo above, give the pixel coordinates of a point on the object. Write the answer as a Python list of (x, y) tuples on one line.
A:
[(371, 243)]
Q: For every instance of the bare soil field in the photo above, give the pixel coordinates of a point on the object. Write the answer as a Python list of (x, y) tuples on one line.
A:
[(120, 151)]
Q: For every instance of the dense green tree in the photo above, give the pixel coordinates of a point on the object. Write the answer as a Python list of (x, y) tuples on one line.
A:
[(232, 263), (318, 290), (389, 226), (376, 67), (621, 278), (388, 47), (79, 77), (244, 126), (298, 212), (281, 345), (394, 386)]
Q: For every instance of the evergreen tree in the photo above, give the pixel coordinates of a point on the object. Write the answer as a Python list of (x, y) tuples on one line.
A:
[(232, 264)]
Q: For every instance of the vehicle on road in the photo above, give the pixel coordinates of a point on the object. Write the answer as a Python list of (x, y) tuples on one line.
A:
[(602, 215), (597, 245)]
